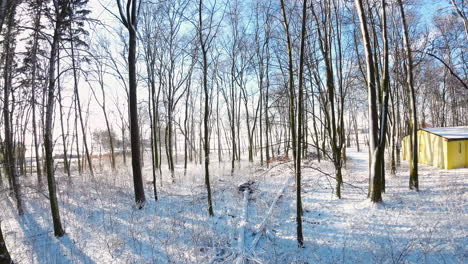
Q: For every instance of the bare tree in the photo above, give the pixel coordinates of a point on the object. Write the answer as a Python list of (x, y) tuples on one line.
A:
[(72, 40), (300, 119), (413, 121), (292, 96), (60, 15), (332, 95), (206, 36), (461, 10), (36, 8), (8, 56), (99, 73), (375, 170), (129, 19)]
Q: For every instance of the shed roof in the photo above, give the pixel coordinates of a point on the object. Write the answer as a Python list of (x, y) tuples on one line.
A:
[(450, 133)]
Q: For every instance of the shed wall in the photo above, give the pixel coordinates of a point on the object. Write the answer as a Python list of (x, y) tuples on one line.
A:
[(466, 153), (437, 151), (431, 149), (456, 153)]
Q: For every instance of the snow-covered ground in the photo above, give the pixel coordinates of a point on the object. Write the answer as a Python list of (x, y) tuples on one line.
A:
[(102, 226)]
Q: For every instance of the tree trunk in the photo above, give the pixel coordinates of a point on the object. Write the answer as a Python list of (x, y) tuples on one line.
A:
[(48, 137), (186, 131), (75, 138), (217, 128), (152, 130), (134, 130), (300, 117), (267, 88), (292, 115), (66, 166), (78, 103), (413, 122), (4, 254), (374, 153), (7, 80), (34, 50), (109, 133), (130, 22), (385, 90), (206, 143)]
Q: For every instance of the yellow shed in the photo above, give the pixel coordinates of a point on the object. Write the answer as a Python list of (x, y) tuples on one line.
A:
[(443, 147)]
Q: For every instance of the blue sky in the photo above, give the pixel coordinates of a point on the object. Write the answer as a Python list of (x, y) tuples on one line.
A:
[(429, 7)]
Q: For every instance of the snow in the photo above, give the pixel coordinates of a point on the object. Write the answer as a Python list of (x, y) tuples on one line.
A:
[(102, 225), (460, 132)]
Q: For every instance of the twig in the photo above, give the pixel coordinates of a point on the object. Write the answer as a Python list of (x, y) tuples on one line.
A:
[(329, 175)]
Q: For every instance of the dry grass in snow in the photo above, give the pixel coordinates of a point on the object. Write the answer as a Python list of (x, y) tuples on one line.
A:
[(102, 226)]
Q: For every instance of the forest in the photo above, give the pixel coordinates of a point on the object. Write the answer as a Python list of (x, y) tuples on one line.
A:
[(232, 131)]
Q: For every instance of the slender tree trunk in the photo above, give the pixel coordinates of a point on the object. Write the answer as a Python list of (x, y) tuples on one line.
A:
[(48, 137), (37, 23), (413, 122), (206, 143), (385, 89), (7, 81), (218, 134), (238, 111), (260, 121), (300, 117), (100, 73), (332, 99), (78, 154), (66, 166), (292, 117), (375, 155), (186, 131), (267, 88), (169, 145), (247, 122), (192, 128), (152, 129), (356, 133), (78, 103), (109, 133), (157, 130), (393, 138)]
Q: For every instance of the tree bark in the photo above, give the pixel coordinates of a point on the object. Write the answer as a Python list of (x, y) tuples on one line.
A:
[(206, 115), (66, 166), (10, 148), (413, 122), (300, 117), (78, 103), (374, 154), (48, 136), (130, 22), (34, 50), (4, 254)]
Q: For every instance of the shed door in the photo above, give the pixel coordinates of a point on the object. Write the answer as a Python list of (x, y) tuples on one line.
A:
[(458, 154)]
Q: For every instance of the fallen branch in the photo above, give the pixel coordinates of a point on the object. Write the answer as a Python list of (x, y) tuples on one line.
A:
[(261, 230), (242, 224)]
